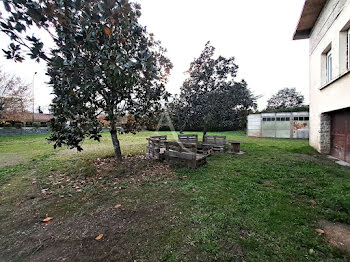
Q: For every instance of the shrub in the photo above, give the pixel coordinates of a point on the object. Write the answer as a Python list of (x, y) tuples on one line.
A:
[(18, 125), (36, 125), (5, 124)]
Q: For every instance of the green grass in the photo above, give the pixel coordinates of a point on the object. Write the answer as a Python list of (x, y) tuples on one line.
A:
[(252, 207)]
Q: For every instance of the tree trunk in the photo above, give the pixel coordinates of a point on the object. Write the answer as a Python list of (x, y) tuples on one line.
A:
[(115, 141), (182, 129), (204, 131)]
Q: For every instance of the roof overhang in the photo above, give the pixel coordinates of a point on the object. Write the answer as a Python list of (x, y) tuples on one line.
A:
[(308, 18)]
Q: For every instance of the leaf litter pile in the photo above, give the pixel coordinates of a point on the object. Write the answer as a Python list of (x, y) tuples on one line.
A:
[(133, 171), (89, 216)]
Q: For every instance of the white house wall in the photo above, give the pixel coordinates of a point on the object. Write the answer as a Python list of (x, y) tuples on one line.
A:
[(254, 125), (329, 33)]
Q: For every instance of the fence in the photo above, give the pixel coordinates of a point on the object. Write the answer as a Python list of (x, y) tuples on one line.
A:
[(5, 131)]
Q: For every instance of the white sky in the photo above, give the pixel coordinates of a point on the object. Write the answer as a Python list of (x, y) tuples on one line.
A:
[(257, 33)]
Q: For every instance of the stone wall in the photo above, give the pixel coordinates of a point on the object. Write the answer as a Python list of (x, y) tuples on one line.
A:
[(325, 134), (23, 131)]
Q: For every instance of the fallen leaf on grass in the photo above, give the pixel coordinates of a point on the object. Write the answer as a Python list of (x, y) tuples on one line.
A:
[(118, 206), (320, 231), (99, 237), (47, 219), (313, 202), (184, 176)]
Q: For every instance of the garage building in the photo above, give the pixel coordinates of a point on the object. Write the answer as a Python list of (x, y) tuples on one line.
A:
[(279, 125)]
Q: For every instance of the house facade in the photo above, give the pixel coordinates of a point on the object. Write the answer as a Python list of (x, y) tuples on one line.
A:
[(326, 23)]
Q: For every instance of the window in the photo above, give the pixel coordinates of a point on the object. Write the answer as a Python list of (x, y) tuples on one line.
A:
[(329, 66), (299, 118), (278, 119), (264, 119), (287, 119), (306, 118), (273, 119)]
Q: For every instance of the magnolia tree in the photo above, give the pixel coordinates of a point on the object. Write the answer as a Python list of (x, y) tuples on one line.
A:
[(211, 95), (103, 63)]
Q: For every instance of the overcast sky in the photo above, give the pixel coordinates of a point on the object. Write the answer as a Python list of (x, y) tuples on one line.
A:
[(257, 33)]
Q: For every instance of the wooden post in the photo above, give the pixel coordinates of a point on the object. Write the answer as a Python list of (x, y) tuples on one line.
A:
[(235, 147)]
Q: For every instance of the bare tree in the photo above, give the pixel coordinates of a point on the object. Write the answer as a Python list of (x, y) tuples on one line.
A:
[(15, 96)]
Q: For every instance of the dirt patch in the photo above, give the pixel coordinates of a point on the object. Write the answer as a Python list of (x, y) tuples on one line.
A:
[(83, 207), (109, 174), (337, 235), (125, 233), (11, 159), (268, 183), (137, 167)]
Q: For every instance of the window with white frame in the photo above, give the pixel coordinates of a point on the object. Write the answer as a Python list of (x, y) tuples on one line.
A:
[(329, 66)]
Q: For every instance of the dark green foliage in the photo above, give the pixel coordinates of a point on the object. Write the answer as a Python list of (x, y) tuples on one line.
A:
[(18, 125), (36, 125), (104, 62), (211, 98), (285, 98), (302, 108)]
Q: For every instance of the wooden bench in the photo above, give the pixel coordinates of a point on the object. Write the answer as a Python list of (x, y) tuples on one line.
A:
[(204, 149), (187, 138), (155, 147), (193, 139), (184, 154), (217, 142)]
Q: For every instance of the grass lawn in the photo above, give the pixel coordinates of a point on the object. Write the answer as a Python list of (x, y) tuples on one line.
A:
[(251, 207)]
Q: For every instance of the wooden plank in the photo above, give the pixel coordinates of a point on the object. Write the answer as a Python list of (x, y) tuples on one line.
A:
[(215, 140), (182, 155), (155, 146), (188, 138)]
